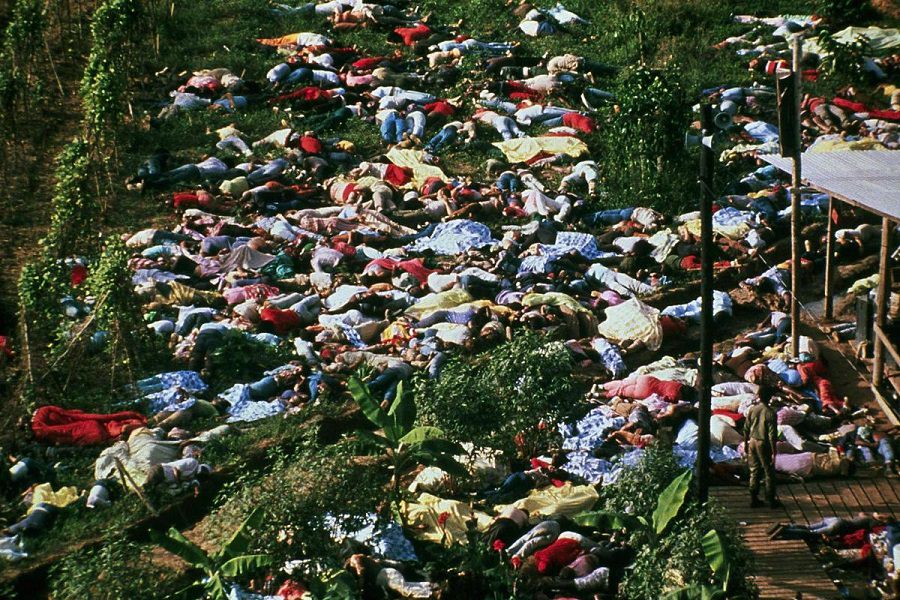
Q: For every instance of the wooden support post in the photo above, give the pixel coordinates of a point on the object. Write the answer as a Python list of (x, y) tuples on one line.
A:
[(829, 261), (884, 292), (795, 209)]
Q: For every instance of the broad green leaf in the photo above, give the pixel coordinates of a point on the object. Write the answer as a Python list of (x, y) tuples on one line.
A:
[(182, 547), (370, 407), (714, 549), (443, 447), (403, 410), (670, 502), (215, 589), (607, 520), (240, 540), (241, 566), (421, 434)]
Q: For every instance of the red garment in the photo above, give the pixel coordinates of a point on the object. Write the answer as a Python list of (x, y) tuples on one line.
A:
[(857, 539), (734, 416), (518, 86), (441, 107), (344, 248), (311, 145), (308, 95), (62, 427), (557, 555), (366, 64), (410, 35), (198, 199), (672, 328), (291, 590), (78, 275), (813, 374), (5, 349), (580, 122), (397, 176), (874, 113), (284, 321), (413, 266)]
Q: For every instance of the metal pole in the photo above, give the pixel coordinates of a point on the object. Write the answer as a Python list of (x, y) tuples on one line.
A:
[(795, 209), (884, 291), (707, 165), (829, 261)]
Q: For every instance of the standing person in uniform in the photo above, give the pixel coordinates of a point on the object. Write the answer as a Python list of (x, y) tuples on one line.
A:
[(760, 436)]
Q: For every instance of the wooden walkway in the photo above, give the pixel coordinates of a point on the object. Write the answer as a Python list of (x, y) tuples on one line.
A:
[(786, 568)]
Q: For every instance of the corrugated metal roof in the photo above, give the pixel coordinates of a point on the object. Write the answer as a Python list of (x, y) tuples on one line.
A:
[(867, 178)]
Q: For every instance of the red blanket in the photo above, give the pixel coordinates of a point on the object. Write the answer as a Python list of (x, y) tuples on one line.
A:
[(62, 427)]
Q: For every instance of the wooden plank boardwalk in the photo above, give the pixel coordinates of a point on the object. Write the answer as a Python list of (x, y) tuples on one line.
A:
[(787, 569)]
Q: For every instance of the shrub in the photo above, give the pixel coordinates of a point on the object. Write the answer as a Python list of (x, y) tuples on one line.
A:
[(677, 558), (643, 144), (490, 398), (241, 359), (845, 62)]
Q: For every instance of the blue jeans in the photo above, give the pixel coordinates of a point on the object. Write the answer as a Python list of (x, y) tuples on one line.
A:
[(263, 389), (301, 75), (508, 183), (176, 175), (392, 128), (386, 382), (442, 138), (608, 217)]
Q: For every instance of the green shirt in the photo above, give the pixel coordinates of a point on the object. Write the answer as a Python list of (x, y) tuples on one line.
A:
[(761, 423)]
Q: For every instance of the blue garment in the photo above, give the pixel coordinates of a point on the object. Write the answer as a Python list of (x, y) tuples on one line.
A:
[(608, 217)]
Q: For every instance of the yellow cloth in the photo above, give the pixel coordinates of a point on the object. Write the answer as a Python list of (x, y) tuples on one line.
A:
[(441, 300), (395, 329), (733, 232), (412, 159), (552, 299), (61, 498), (346, 146), (285, 40), (524, 149), (632, 320), (839, 145), (422, 518), (568, 500)]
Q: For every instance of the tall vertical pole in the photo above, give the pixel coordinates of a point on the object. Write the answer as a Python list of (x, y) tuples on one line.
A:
[(829, 260), (884, 292), (795, 208), (707, 164)]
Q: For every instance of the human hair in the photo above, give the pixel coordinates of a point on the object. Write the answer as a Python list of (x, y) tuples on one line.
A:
[(765, 394)]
